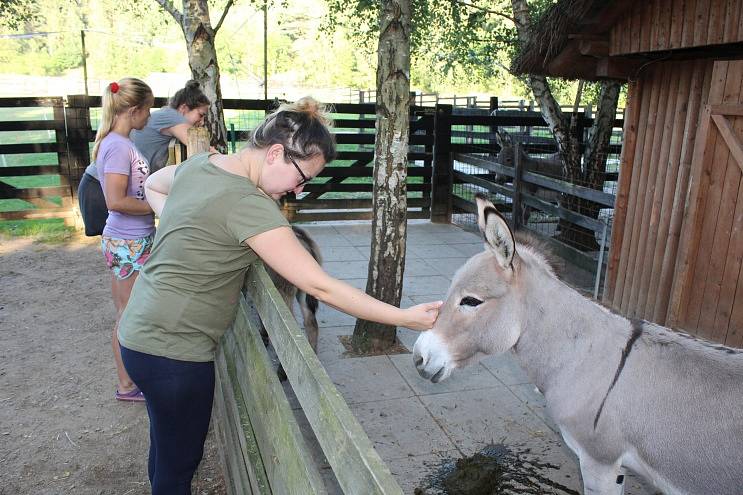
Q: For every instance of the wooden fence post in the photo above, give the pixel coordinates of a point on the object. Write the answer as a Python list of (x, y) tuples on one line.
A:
[(198, 141), (492, 109), (79, 135), (516, 215), (442, 178)]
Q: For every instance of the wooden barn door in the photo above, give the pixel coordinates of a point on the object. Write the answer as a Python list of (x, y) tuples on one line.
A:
[(707, 295)]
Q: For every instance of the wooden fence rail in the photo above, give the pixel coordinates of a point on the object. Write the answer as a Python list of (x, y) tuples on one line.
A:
[(263, 448)]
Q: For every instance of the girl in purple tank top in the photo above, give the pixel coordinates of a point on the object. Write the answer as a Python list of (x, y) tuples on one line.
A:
[(122, 171)]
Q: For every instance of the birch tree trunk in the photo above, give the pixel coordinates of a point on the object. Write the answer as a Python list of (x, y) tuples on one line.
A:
[(202, 58), (587, 168), (389, 222)]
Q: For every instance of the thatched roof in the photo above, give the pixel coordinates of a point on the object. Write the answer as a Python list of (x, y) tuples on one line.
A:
[(592, 39), (549, 34)]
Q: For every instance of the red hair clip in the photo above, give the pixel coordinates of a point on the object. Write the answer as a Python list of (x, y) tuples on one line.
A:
[(114, 87)]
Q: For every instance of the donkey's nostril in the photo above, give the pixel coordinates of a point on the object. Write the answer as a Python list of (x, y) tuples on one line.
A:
[(418, 360)]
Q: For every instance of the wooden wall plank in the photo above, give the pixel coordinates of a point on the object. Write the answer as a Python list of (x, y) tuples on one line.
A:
[(645, 26), (665, 8), (701, 22), (718, 218), (729, 238), (724, 328), (625, 28), (641, 184), (666, 183), (734, 336), (701, 74), (636, 27), (716, 28), (646, 202), (655, 17), (647, 94), (699, 183), (687, 33), (626, 171), (677, 24), (732, 15)]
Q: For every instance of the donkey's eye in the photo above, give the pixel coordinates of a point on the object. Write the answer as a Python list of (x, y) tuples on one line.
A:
[(470, 301)]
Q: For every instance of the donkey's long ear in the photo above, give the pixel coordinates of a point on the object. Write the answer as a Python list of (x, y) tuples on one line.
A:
[(496, 232)]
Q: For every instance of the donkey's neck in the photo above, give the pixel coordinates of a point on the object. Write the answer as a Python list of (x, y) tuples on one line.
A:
[(564, 333)]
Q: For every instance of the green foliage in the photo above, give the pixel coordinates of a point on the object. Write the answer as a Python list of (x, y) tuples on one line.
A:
[(15, 13)]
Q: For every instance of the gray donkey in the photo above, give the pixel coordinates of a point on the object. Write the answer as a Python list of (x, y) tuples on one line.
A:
[(625, 394), (308, 305), (550, 166)]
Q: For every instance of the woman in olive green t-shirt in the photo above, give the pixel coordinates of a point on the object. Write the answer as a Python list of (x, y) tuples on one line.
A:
[(220, 216)]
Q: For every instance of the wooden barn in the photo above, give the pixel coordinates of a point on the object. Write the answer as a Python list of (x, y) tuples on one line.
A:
[(677, 240)]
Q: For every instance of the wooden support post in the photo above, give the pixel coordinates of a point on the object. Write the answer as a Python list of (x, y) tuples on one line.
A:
[(492, 109), (516, 214), (79, 135), (198, 141), (442, 178)]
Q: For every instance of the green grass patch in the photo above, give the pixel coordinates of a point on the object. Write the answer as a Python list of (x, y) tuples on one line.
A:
[(50, 230), (12, 114)]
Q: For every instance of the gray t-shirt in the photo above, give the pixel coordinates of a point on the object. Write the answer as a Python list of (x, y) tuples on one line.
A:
[(151, 143)]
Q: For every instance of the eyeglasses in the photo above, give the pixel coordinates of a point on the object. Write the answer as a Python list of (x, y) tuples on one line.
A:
[(305, 179)]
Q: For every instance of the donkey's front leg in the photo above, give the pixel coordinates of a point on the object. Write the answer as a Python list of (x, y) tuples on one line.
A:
[(601, 479)]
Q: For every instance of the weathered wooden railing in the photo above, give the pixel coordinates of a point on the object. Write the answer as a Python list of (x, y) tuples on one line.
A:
[(263, 448)]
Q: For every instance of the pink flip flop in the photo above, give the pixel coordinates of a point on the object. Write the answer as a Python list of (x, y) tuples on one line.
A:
[(135, 395)]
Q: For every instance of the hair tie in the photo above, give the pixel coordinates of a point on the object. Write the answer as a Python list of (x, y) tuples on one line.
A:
[(114, 87)]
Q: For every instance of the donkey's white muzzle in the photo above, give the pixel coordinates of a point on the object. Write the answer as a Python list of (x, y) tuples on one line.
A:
[(431, 358)]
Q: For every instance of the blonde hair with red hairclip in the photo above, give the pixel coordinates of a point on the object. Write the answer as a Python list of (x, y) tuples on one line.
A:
[(117, 98)]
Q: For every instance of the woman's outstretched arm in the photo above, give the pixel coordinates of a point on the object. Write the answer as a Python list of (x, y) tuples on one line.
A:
[(280, 249)]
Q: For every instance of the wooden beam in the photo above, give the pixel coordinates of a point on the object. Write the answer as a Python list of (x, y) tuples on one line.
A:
[(618, 67), (594, 48), (569, 63), (728, 134)]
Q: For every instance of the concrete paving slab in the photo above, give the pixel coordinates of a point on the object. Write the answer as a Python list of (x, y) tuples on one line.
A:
[(347, 269), (446, 266), (477, 378), (400, 428), (534, 400), (330, 240), (476, 418), (505, 368), (420, 285), (319, 230), (342, 253), (409, 472), (430, 251), (367, 379)]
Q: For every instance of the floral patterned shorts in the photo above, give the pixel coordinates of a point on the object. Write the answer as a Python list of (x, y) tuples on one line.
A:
[(126, 256)]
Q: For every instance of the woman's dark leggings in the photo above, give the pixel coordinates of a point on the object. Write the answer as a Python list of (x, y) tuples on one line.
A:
[(179, 398)]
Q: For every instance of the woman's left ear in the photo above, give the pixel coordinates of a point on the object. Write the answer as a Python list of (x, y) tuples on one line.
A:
[(275, 152)]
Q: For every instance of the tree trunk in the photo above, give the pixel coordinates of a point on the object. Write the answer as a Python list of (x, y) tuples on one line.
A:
[(586, 170), (389, 223), (202, 58), (593, 170)]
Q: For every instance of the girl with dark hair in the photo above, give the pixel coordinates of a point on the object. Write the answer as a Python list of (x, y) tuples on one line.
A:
[(218, 215), (186, 109)]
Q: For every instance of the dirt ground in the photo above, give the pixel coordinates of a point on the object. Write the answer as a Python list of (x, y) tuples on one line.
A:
[(61, 431)]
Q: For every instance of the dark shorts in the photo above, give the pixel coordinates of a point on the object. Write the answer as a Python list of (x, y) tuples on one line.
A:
[(92, 205)]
